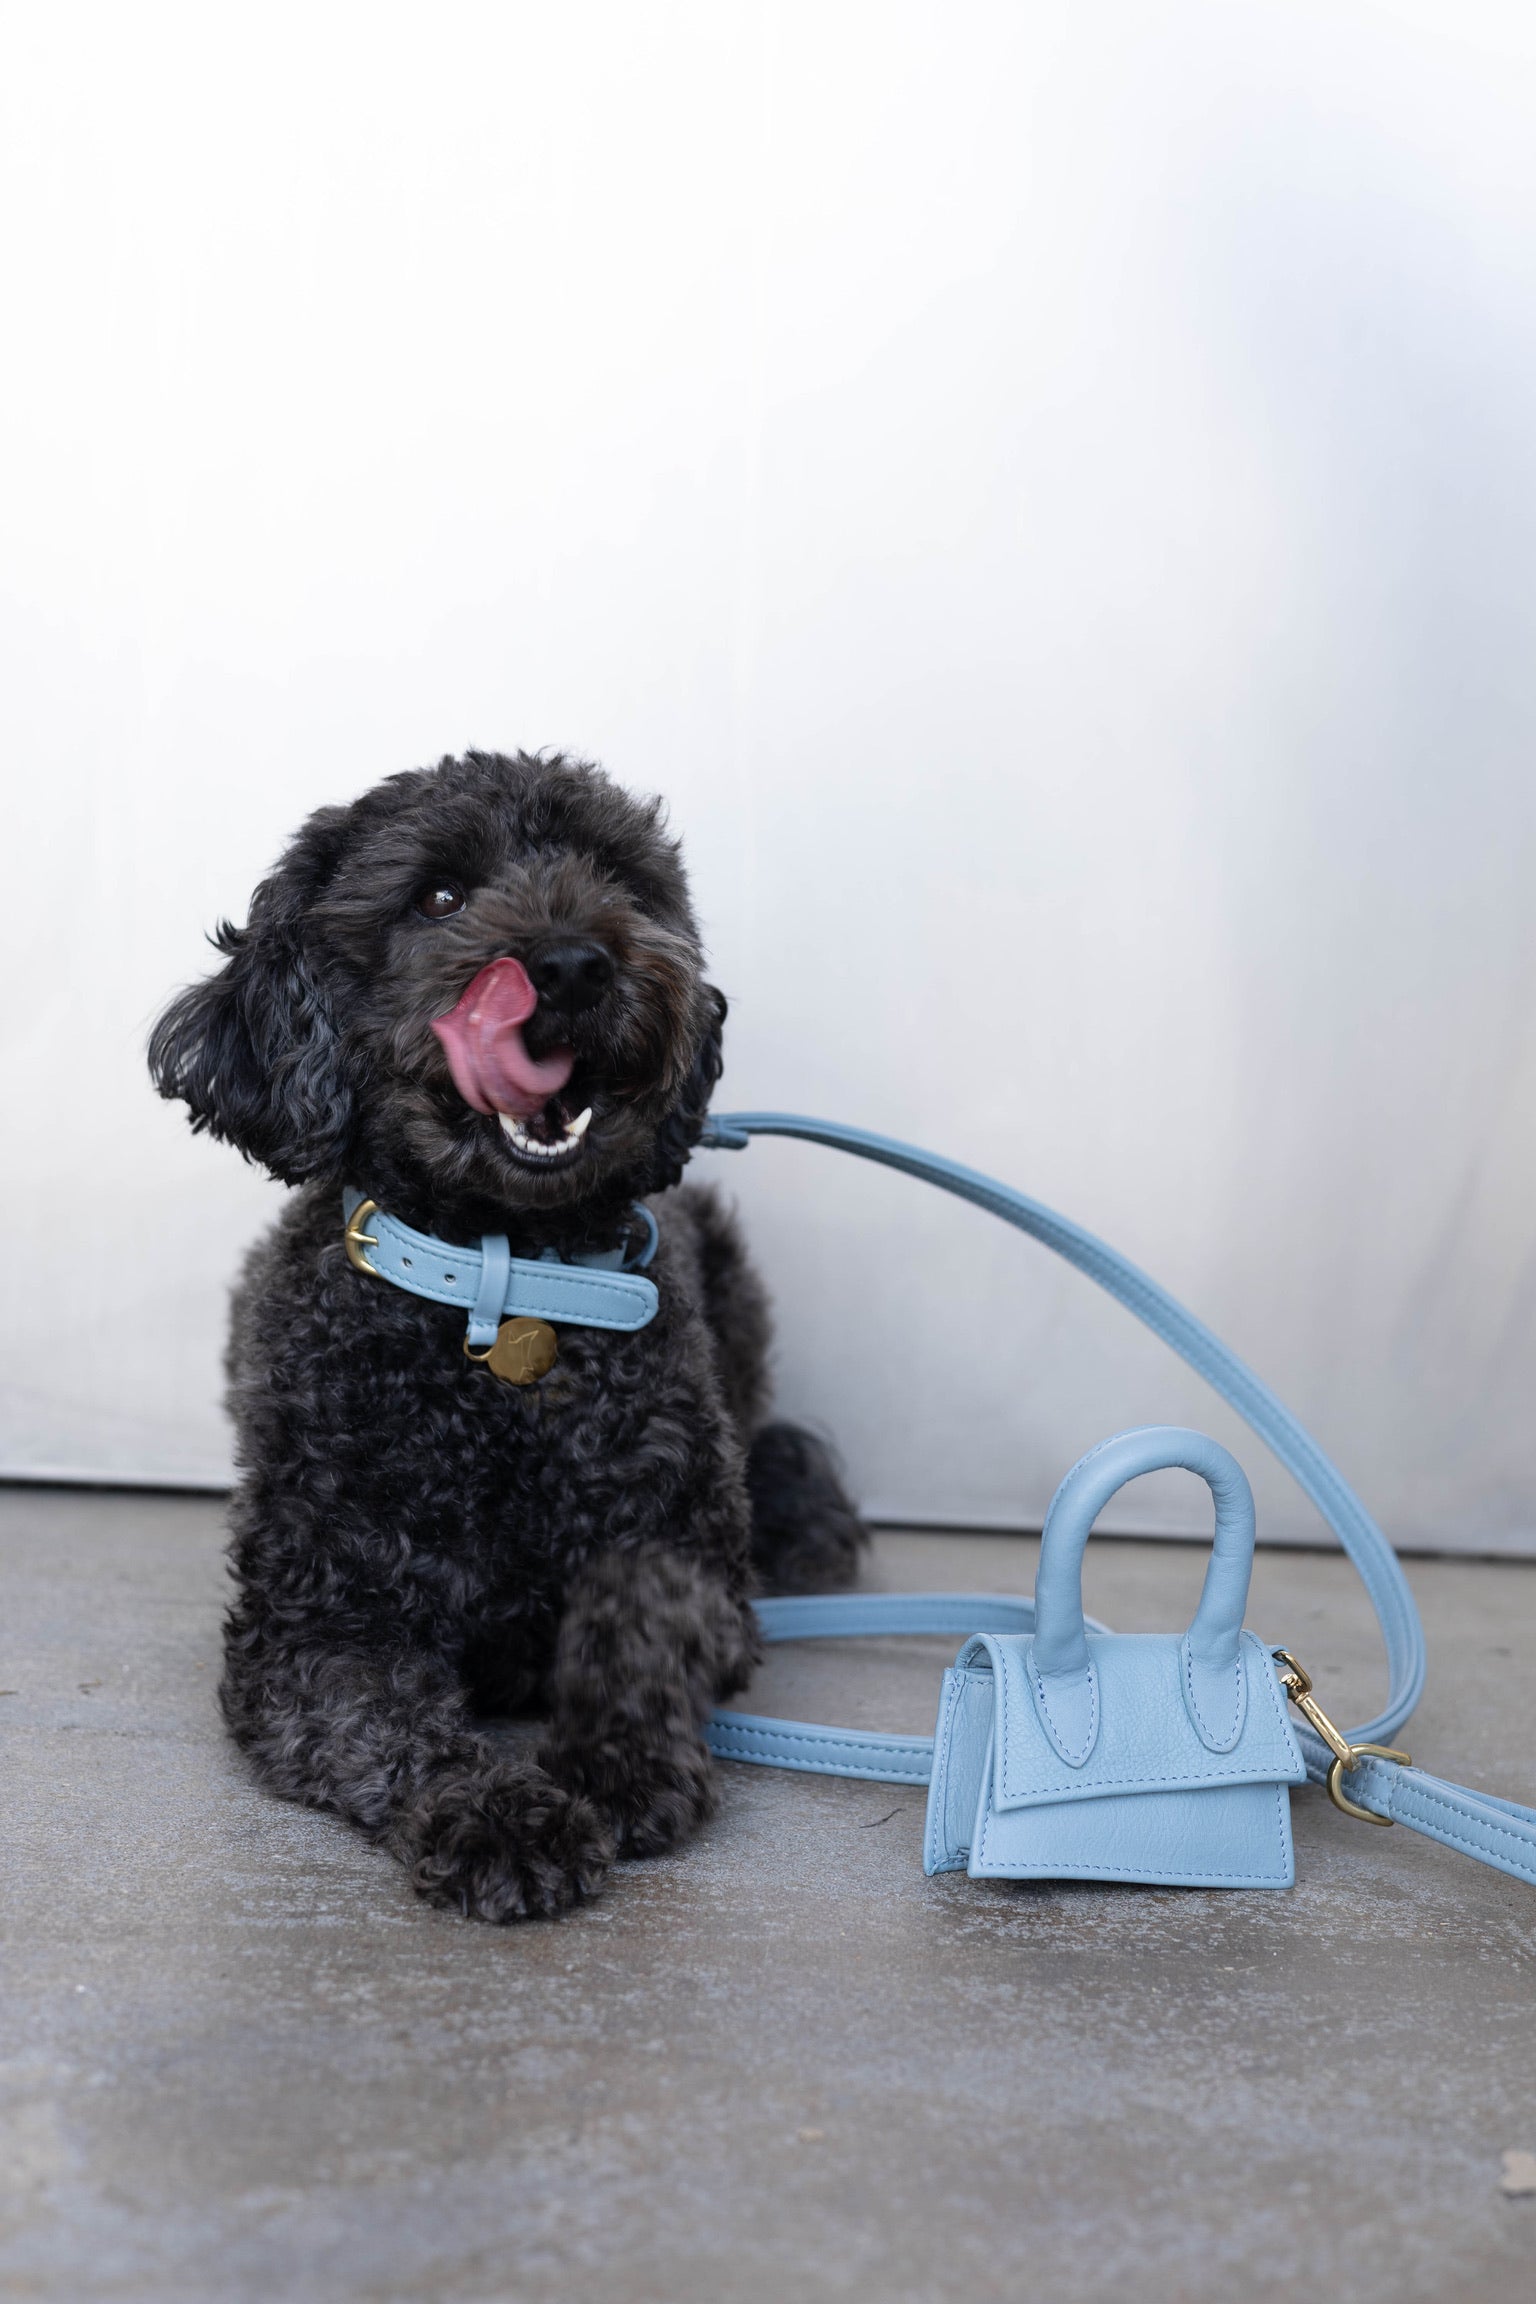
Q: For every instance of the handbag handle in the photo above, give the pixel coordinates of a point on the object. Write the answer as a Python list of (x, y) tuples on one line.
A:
[(1064, 1681)]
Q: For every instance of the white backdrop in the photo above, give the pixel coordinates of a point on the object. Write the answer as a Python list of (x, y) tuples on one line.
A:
[(1048, 491)]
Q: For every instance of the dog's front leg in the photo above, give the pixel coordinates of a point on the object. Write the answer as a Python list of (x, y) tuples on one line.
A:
[(649, 1642), (385, 1740)]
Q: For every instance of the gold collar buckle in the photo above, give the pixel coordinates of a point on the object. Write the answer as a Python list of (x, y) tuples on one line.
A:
[(354, 1239)]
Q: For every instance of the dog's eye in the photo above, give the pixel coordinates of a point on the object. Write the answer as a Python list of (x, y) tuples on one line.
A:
[(439, 900)]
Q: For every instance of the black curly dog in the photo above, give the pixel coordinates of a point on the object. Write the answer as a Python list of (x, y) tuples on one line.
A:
[(418, 1546)]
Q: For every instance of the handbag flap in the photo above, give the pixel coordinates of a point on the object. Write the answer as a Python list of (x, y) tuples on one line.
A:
[(1146, 1740)]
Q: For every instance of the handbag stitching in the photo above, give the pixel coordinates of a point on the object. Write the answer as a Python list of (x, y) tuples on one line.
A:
[(940, 1794), (1073, 1758), (1212, 1775), (1227, 1737), (1063, 1871)]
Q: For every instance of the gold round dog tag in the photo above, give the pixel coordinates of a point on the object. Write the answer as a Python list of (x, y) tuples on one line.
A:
[(524, 1351)]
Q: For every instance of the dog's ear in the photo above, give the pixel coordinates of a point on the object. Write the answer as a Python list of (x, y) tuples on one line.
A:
[(254, 1052), (679, 1132)]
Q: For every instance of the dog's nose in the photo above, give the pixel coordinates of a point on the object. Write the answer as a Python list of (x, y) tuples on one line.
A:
[(571, 976)]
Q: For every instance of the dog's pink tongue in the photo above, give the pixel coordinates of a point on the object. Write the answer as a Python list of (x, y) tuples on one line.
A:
[(483, 1037)]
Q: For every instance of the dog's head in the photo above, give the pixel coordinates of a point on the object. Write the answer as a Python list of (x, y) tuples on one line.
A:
[(477, 988)]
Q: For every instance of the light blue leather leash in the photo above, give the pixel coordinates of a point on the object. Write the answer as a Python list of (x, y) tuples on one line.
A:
[(1497, 1832)]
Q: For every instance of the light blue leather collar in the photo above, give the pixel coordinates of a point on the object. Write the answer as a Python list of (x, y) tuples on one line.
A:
[(594, 1291)]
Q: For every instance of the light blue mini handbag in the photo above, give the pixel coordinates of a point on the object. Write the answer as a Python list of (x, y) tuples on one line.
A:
[(1069, 1754), (1064, 1751)]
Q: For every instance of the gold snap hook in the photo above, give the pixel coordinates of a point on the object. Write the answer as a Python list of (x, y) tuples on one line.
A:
[(1296, 1680)]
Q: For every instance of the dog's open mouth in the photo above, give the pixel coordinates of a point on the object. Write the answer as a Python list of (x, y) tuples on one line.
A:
[(550, 1135), (542, 1115)]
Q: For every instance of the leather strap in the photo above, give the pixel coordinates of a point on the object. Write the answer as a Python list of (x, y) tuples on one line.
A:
[(1497, 1832), (776, 1743), (588, 1293), (491, 1294)]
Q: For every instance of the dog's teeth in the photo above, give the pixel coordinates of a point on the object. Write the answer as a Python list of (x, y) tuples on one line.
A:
[(577, 1128), (534, 1146)]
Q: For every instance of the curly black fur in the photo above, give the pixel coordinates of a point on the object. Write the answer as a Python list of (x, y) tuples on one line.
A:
[(417, 1546), (806, 1535)]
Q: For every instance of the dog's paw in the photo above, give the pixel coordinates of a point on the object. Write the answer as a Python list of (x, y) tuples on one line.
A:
[(654, 1799), (507, 1844)]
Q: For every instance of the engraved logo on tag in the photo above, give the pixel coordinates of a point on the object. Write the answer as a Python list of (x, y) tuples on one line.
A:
[(524, 1351)]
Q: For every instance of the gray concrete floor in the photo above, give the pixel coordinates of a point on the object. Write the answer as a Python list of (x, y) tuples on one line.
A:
[(239, 2062)]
